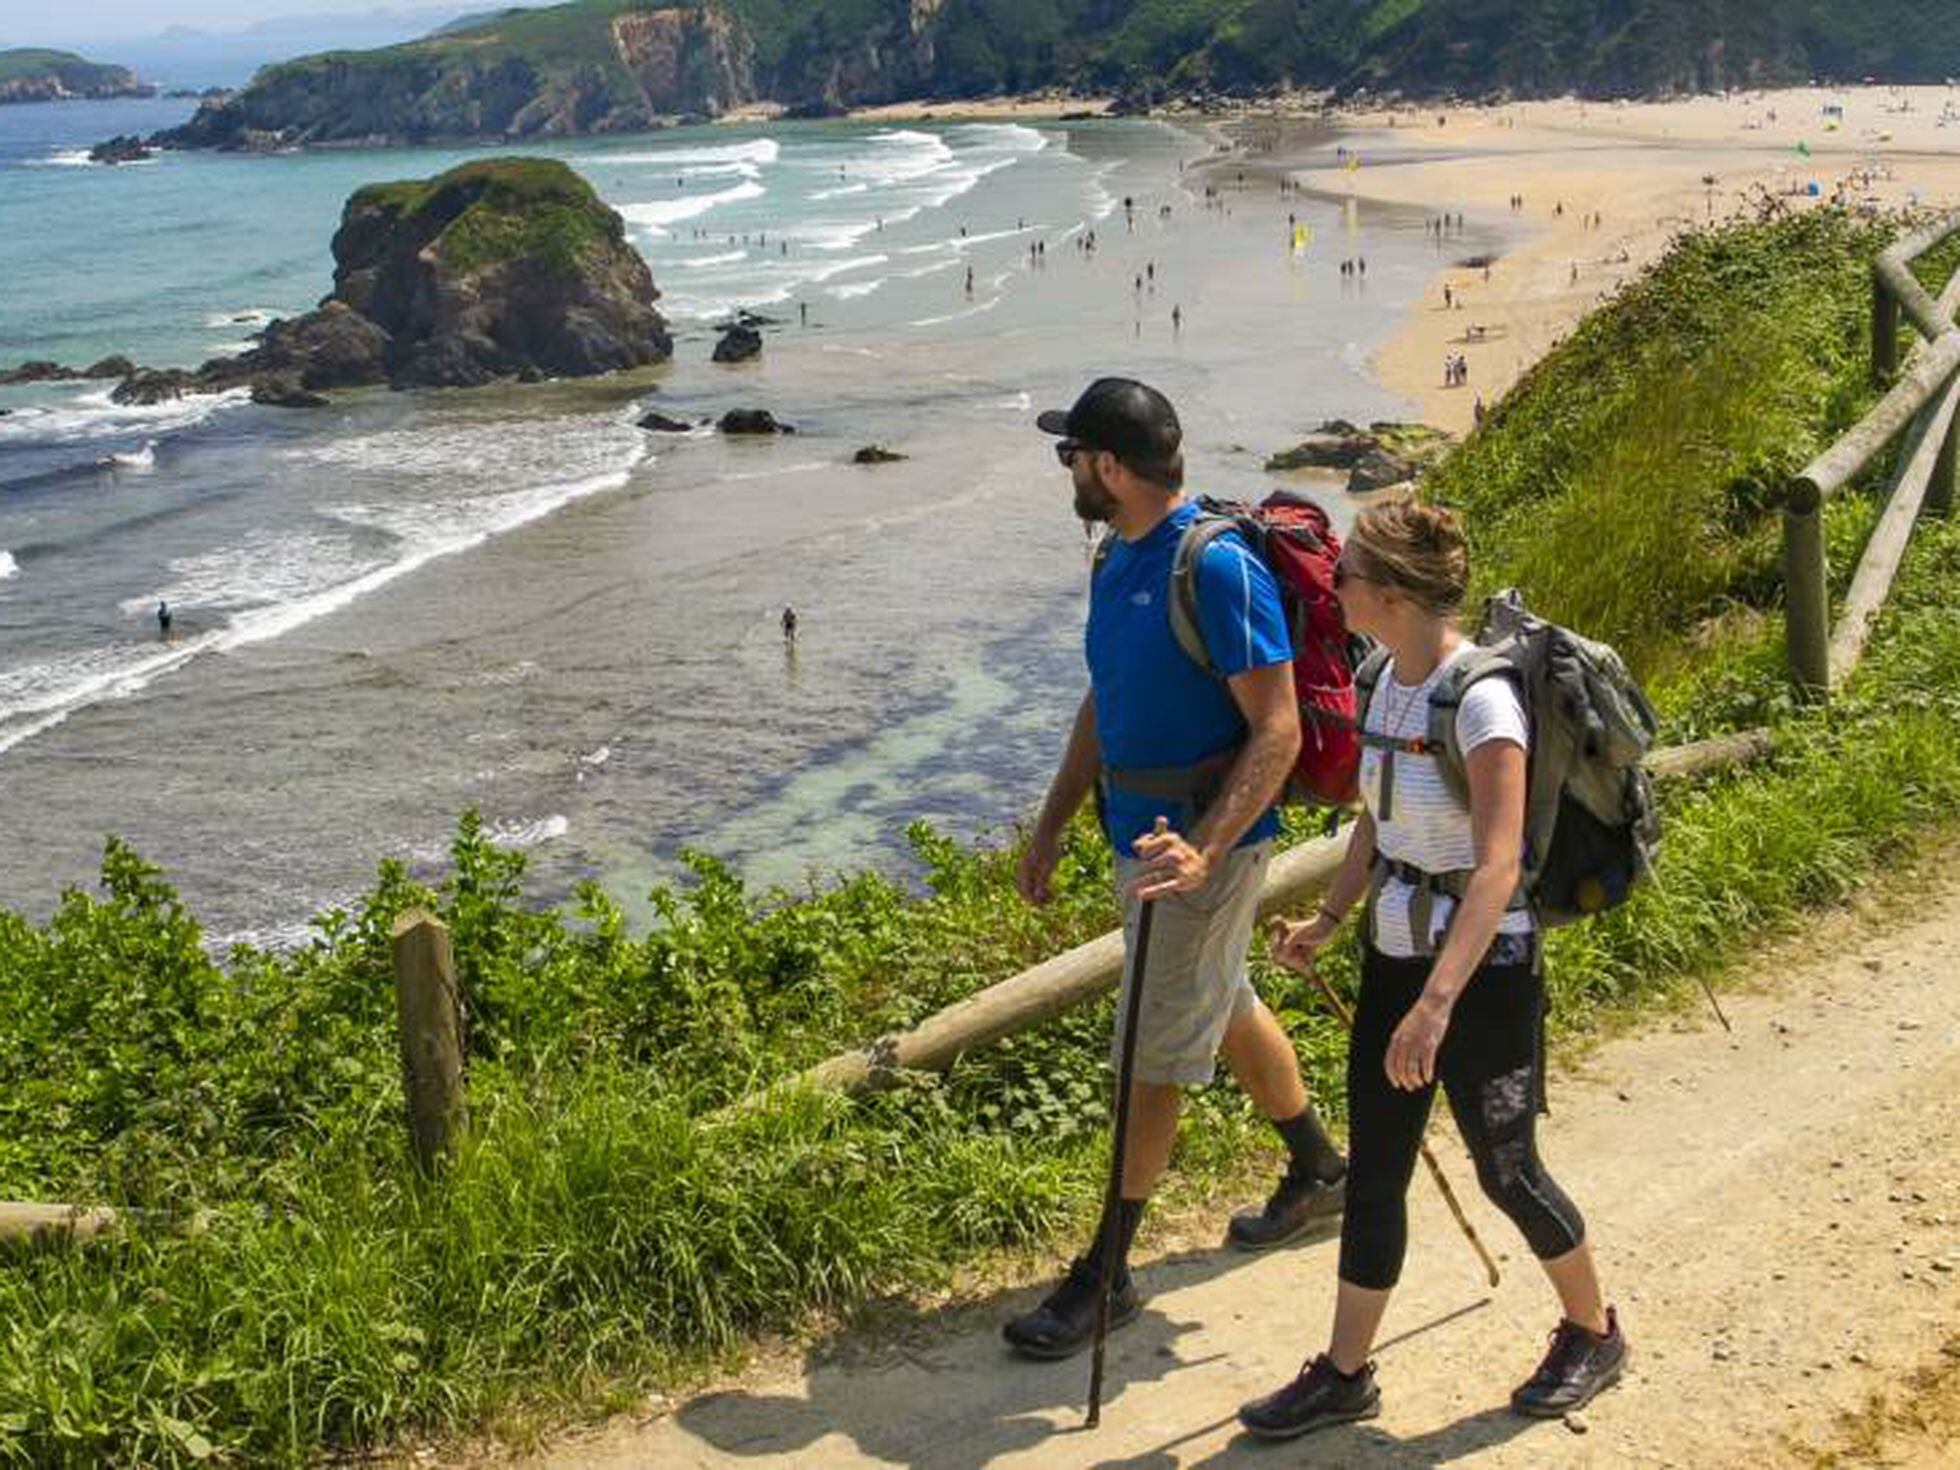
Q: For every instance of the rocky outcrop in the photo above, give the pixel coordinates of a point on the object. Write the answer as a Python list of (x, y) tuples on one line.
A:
[(331, 347), (738, 344), (1335, 445), (123, 148), (752, 421), (519, 74), (38, 370), (282, 392), (494, 267), (1385, 453), (42, 371), (509, 268), (686, 61), (162, 385), (35, 75), (877, 454), (659, 423)]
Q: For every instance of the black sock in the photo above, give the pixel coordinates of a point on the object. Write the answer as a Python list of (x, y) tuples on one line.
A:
[(1129, 1215), (1313, 1151)]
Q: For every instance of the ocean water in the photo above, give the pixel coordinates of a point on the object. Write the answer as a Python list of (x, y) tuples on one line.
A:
[(514, 599)]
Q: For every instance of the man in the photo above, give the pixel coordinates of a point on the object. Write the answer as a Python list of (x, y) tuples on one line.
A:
[(1159, 737)]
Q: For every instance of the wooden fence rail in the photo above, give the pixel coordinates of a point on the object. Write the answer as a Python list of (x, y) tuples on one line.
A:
[(1923, 403), (1919, 402)]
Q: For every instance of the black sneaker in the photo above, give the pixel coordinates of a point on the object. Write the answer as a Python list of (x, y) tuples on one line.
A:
[(1321, 1396), (1299, 1202), (1579, 1365), (1066, 1319)]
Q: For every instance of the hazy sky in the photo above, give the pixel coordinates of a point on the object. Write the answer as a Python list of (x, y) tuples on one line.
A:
[(41, 22)]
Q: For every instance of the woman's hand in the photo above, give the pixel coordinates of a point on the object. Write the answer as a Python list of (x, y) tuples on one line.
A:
[(1411, 1059), (1295, 945)]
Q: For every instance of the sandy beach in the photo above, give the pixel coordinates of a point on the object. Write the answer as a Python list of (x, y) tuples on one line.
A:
[(1604, 188)]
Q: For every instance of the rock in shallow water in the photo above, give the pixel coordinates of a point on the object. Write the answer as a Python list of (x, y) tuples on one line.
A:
[(738, 344), (752, 421)]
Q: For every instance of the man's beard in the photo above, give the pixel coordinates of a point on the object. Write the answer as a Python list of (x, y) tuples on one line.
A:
[(1093, 502)]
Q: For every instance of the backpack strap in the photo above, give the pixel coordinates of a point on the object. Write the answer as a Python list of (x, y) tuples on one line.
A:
[(1192, 545), (1446, 702), (1440, 742)]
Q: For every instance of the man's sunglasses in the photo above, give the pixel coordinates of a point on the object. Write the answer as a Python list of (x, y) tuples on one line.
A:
[(1067, 449)]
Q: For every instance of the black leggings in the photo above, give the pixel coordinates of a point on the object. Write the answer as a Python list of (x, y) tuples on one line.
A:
[(1492, 1068)]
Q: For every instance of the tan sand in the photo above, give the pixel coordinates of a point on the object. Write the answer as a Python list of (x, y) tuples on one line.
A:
[(983, 109), (1772, 1210), (1641, 169)]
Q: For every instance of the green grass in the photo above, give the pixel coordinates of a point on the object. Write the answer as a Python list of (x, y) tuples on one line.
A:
[(611, 1225), (1627, 481), (516, 207)]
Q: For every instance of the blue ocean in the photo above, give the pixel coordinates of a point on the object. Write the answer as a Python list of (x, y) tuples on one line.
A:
[(514, 599)]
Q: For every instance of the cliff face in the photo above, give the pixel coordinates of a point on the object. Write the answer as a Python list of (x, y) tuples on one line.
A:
[(596, 66), (686, 61), (32, 75), (604, 68)]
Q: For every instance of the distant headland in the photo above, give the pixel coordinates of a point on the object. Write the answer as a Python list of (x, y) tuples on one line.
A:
[(29, 74)]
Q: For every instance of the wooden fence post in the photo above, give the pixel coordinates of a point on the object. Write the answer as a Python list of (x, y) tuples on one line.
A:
[(430, 1008), (1885, 332), (1946, 469), (1806, 602)]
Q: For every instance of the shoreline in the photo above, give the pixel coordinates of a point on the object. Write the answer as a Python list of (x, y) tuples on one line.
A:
[(1645, 171), (1640, 171)]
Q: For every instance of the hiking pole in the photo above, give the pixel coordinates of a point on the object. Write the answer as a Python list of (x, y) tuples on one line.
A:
[(1435, 1169), (1715, 1004), (1112, 1224)]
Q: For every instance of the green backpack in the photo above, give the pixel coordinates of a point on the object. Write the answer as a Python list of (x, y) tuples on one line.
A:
[(1591, 826)]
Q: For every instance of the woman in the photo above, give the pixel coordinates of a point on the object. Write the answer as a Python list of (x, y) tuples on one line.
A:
[(1460, 1004)]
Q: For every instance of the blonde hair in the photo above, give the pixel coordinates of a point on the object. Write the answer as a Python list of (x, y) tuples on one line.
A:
[(1416, 549)]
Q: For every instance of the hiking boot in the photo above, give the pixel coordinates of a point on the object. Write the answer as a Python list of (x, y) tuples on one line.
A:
[(1321, 1396), (1299, 1202), (1066, 1319), (1579, 1364)]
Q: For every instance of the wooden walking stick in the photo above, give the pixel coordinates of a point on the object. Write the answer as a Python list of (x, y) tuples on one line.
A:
[(1435, 1169), (1112, 1225)]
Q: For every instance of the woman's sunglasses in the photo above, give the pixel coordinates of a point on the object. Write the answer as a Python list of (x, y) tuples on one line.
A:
[(1343, 573)]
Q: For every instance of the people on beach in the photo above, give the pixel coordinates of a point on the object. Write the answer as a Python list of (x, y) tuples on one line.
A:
[(1186, 764), (789, 624), (163, 619), (1177, 320), (1452, 988)]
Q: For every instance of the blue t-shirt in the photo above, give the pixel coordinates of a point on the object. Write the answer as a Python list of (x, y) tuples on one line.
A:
[(1154, 706)]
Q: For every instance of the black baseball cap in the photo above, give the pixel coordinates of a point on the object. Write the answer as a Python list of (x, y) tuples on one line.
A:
[(1131, 420)]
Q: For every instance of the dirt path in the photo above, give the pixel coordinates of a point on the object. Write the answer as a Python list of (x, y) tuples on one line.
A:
[(1775, 1212)]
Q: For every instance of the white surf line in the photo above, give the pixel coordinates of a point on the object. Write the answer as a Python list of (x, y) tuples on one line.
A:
[(275, 622)]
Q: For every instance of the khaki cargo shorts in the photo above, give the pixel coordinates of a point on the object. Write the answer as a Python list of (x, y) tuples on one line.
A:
[(1197, 980)]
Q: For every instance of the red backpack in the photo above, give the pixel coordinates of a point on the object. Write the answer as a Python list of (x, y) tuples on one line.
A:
[(1293, 537)]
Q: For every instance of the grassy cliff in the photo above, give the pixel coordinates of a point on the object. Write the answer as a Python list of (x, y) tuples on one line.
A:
[(608, 1227), (612, 65), (31, 74), (486, 212)]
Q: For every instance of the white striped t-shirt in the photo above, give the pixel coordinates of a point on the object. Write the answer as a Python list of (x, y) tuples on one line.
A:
[(1426, 828)]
